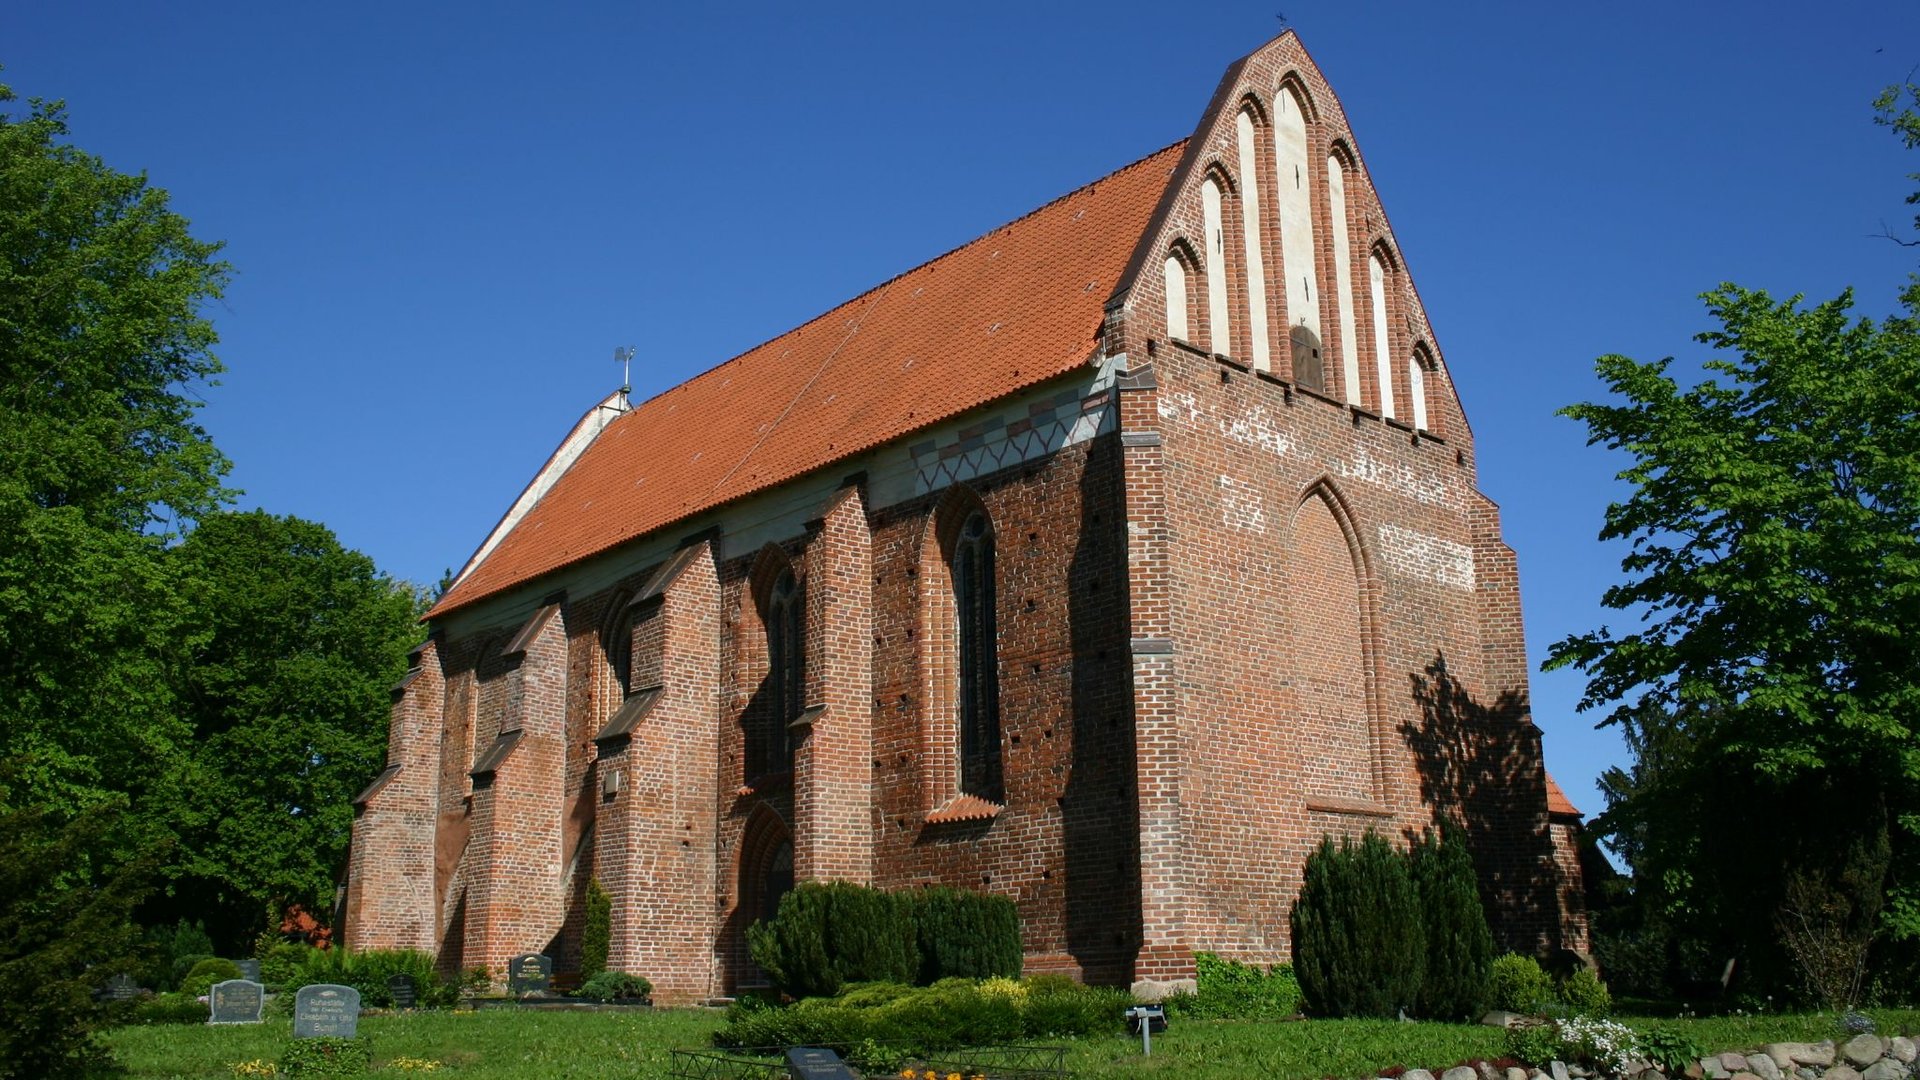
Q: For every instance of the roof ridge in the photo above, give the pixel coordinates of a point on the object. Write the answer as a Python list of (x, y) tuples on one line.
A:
[(916, 268)]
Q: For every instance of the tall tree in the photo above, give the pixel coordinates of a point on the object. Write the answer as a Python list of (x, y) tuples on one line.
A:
[(292, 645), (1773, 530), (101, 286)]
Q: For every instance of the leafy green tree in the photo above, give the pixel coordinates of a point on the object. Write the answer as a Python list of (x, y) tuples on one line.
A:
[(294, 643), (1773, 532), (100, 458)]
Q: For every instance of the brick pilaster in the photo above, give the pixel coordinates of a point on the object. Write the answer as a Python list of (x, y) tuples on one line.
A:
[(833, 836)]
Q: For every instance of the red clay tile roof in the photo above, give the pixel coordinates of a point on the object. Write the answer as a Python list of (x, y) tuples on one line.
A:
[(964, 808), (1557, 801), (1016, 307)]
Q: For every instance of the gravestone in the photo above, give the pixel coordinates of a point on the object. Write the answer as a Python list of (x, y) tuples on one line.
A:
[(236, 1001), (250, 969), (814, 1063), (326, 1009), (121, 988), (529, 973), (403, 991)]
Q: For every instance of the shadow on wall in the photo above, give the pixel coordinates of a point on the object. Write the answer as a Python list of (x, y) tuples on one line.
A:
[(1099, 820), (1481, 764)]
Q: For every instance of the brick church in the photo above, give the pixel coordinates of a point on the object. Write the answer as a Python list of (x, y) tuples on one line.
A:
[(1106, 562)]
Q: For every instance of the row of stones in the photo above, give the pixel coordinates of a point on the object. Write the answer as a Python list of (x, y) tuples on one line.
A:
[(1863, 1057)]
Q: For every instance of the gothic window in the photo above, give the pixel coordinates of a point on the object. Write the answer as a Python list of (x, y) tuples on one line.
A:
[(786, 666), (619, 650), (1377, 279), (1343, 279), (1212, 212), (1417, 366), (1176, 299), (979, 689)]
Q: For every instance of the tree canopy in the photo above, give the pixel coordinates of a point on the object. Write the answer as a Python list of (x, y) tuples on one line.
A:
[(1773, 536)]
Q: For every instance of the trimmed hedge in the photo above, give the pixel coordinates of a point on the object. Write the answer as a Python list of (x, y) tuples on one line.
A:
[(925, 1020), (963, 934), (826, 936), (1359, 943)]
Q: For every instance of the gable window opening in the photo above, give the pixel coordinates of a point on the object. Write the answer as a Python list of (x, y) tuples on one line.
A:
[(786, 669), (973, 596)]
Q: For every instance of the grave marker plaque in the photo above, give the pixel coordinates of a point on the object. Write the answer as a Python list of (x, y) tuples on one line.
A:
[(814, 1063), (250, 970), (121, 988), (403, 991), (236, 1001), (326, 1009), (529, 973)]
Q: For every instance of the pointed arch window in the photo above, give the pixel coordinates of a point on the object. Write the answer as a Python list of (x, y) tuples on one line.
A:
[(1417, 367), (786, 666), (973, 601)]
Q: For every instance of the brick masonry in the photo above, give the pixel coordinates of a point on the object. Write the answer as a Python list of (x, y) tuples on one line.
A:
[(1234, 614)]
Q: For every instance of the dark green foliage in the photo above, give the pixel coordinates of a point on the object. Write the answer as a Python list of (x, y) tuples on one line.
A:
[(1230, 990), (965, 934), (281, 963), (1585, 994), (203, 975), (826, 935), (1519, 984), (168, 952), (169, 1009), (922, 1020), (328, 1055), (368, 971), (1535, 1042), (1459, 944), (1672, 1049), (1359, 944), (615, 986), (183, 966), (596, 935), (65, 929)]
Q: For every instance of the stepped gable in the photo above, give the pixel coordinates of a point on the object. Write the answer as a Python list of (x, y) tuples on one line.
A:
[(1018, 306)]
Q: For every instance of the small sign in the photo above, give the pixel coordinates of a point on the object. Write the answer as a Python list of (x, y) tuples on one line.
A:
[(236, 1001), (326, 1009), (250, 969), (814, 1063), (121, 988), (529, 973), (402, 989)]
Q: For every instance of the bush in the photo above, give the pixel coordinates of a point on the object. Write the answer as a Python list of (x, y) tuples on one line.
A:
[(1585, 994), (965, 934), (200, 980), (183, 966), (281, 962), (1459, 945), (170, 952), (596, 935), (1517, 984), (368, 971), (1359, 945), (826, 935), (1231, 990), (615, 986), (327, 1055), (927, 1020), (169, 1009)]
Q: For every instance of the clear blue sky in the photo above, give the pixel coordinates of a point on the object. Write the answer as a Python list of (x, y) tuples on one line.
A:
[(445, 218)]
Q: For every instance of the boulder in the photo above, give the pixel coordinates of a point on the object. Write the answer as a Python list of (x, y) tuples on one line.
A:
[(1819, 1055), (1461, 1072), (1416, 1074), (1763, 1066), (1863, 1050), (1153, 990), (1559, 1070), (1500, 1018), (1514, 1072), (1733, 1063), (1841, 1072), (1782, 1053), (1885, 1069), (1902, 1049)]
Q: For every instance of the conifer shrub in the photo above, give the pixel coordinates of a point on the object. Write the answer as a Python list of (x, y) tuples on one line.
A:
[(1359, 944), (596, 935), (1518, 984), (965, 934), (828, 934), (616, 986), (1459, 946)]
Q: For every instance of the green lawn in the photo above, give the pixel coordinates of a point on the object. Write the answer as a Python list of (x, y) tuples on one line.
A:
[(613, 1046)]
